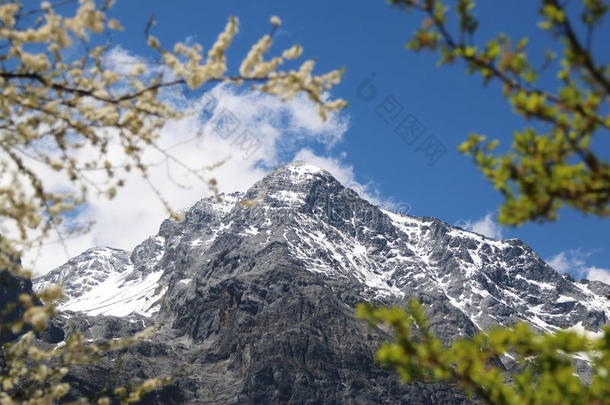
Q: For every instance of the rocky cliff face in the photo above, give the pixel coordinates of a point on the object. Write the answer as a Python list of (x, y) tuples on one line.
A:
[(255, 301), (11, 287)]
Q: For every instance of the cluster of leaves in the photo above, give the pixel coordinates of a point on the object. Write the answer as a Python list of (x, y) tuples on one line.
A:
[(551, 164), (545, 367), (59, 96)]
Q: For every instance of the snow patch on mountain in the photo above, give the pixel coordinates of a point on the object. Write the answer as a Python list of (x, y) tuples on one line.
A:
[(120, 296), (301, 171), (105, 281), (85, 271)]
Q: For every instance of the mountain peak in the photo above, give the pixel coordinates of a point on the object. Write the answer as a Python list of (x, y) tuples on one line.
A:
[(302, 166), (274, 275), (302, 216), (299, 171), (292, 181)]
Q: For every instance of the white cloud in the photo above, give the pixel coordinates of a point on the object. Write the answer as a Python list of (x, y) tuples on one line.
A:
[(567, 261), (574, 262), (121, 61), (277, 131), (596, 273), (486, 226)]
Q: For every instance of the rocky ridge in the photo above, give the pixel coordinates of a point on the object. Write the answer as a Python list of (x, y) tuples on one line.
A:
[(255, 295)]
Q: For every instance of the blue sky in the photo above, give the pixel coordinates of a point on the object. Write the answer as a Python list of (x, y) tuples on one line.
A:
[(368, 37)]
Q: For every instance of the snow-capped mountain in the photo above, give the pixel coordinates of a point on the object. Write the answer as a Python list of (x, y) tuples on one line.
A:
[(108, 281), (335, 233), (265, 283)]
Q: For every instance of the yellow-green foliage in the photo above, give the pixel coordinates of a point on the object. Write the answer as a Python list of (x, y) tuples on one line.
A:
[(57, 98), (552, 164), (545, 375)]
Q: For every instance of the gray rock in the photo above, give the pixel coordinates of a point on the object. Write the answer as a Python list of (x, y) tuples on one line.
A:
[(255, 302)]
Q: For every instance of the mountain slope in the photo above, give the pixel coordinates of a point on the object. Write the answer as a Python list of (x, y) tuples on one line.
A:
[(260, 296)]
